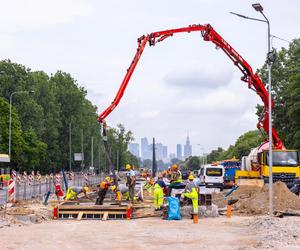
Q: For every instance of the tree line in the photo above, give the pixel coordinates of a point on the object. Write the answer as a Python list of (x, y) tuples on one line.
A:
[(49, 113)]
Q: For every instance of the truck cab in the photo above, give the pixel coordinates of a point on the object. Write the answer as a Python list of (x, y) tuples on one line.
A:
[(212, 176), (285, 166)]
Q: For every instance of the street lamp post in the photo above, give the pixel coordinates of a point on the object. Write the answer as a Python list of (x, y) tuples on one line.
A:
[(10, 109), (270, 60)]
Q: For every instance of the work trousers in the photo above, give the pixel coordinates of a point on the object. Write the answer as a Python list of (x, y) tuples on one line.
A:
[(131, 192), (194, 197), (158, 197), (101, 196)]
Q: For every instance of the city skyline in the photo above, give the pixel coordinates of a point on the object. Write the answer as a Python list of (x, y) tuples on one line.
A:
[(163, 152)]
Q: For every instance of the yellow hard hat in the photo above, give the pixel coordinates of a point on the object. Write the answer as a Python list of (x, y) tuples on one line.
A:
[(113, 188), (128, 167), (191, 177), (85, 189), (107, 178)]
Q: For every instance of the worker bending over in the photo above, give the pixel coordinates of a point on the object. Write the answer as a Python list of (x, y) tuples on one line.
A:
[(131, 180), (117, 192), (159, 193), (176, 178), (104, 185), (74, 191), (191, 192), (149, 184)]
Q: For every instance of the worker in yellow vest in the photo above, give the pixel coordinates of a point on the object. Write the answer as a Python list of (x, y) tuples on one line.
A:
[(191, 192), (117, 192), (158, 194), (73, 192)]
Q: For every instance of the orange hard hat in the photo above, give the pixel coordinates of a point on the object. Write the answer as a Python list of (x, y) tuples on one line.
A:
[(174, 167)]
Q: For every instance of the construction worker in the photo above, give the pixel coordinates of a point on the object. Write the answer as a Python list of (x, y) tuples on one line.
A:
[(191, 192), (176, 178), (149, 184), (74, 191), (117, 192), (131, 180), (104, 185), (159, 193)]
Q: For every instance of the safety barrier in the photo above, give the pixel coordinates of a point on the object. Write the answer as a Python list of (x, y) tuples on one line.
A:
[(25, 187)]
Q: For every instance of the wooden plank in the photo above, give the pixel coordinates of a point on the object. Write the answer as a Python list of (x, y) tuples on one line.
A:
[(95, 207), (92, 212), (105, 216), (79, 216)]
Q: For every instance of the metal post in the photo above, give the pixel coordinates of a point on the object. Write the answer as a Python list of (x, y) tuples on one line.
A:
[(269, 63), (82, 163), (70, 147), (117, 160), (154, 167), (10, 109), (92, 153)]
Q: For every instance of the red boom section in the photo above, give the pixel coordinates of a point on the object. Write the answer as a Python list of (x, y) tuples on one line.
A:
[(209, 34)]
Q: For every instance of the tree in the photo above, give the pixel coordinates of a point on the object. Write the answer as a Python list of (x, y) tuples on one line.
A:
[(193, 163)]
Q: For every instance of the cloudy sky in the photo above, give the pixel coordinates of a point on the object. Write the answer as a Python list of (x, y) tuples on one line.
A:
[(183, 84)]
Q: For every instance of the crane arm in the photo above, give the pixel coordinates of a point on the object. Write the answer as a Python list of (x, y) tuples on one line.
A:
[(208, 34)]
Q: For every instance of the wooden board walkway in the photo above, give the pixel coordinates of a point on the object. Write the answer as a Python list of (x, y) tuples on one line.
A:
[(91, 212)]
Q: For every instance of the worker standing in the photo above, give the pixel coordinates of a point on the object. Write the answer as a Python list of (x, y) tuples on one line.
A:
[(191, 192), (159, 193), (74, 191), (131, 180), (176, 178), (104, 185)]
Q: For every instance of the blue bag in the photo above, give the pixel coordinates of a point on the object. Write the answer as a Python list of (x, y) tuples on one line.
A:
[(173, 210)]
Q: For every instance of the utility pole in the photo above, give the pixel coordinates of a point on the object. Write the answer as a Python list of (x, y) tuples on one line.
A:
[(10, 119), (92, 153), (117, 160), (82, 157), (70, 146), (154, 167), (270, 60)]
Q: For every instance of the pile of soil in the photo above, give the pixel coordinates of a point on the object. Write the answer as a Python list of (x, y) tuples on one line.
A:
[(243, 192), (258, 202)]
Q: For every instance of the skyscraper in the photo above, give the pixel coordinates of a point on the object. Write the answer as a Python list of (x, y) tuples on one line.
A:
[(134, 148), (165, 152), (187, 148), (144, 148), (179, 151)]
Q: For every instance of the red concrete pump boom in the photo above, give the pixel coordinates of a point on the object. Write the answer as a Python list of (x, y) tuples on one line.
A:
[(208, 34)]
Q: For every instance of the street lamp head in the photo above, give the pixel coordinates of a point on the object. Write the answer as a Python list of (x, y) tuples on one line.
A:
[(31, 91), (257, 7)]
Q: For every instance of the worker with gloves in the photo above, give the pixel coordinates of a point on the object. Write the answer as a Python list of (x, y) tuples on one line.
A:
[(104, 185), (176, 178), (159, 193), (74, 191), (131, 180), (191, 192), (117, 192), (149, 184)]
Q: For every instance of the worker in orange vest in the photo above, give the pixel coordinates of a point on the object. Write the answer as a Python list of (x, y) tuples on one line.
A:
[(104, 185)]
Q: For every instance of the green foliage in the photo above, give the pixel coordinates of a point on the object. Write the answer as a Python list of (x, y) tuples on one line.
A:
[(285, 84), (242, 147), (193, 163), (41, 122)]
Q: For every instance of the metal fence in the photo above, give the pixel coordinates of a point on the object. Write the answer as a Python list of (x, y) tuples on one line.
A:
[(26, 189)]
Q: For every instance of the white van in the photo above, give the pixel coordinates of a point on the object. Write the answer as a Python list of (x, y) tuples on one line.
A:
[(212, 176)]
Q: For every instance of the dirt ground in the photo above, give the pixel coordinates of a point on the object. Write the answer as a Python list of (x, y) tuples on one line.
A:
[(154, 233)]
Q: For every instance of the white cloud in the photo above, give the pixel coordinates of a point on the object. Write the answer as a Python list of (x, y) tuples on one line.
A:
[(150, 114), (21, 15)]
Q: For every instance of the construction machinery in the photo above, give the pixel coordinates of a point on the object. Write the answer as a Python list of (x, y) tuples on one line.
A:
[(252, 79)]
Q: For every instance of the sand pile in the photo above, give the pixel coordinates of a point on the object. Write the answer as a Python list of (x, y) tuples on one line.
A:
[(243, 192), (258, 202)]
